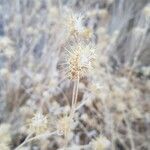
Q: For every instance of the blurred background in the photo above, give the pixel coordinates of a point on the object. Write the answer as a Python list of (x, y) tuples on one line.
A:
[(113, 102)]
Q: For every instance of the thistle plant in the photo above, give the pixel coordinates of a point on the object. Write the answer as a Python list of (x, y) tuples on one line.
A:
[(75, 28), (80, 60), (79, 63), (38, 124), (103, 47)]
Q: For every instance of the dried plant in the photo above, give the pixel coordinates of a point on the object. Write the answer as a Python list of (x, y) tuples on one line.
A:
[(99, 99)]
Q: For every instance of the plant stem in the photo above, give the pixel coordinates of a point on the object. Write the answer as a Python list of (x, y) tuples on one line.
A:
[(25, 141), (74, 97), (28, 139)]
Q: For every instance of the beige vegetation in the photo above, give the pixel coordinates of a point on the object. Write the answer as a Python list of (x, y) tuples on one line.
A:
[(74, 75)]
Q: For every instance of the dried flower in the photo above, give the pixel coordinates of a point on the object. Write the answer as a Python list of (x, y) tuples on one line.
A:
[(80, 60), (74, 25), (38, 124)]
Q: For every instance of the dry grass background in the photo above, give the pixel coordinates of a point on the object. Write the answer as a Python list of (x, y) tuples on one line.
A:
[(111, 101)]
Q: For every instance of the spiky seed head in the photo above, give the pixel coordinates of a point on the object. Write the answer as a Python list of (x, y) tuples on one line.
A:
[(74, 25), (80, 60), (38, 124)]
